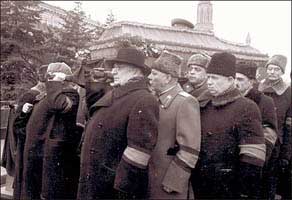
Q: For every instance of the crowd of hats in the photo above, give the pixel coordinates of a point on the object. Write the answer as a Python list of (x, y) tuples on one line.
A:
[(222, 63)]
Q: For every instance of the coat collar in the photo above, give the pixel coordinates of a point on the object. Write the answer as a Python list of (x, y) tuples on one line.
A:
[(228, 96), (200, 92), (278, 87), (118, 92), (254, 95), (129, 87), (167, 97), (41, 88)]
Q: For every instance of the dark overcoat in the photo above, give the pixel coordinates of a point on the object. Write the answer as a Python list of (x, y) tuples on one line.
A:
[(42, 125), (19, 127), (280, 92), (269, 118), (232, 146), (119, 138), (60, 163)]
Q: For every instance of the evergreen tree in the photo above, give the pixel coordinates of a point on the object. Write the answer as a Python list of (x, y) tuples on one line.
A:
[(75, 36), (110, 18), (23, 44)]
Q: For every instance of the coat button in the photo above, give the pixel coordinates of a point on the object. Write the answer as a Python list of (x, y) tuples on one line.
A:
[(99, 125), (92, 151), (209, 133), (87, 176)]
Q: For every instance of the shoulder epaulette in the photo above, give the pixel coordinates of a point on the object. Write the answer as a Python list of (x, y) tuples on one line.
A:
[(184, 94)]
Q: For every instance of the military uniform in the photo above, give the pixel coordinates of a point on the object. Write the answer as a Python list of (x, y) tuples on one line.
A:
[(178, 145), (200, 92)]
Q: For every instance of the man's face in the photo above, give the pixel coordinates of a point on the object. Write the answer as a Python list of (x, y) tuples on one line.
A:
[(121, 73), (242, 83), (158, 80), (42, 75), (196, 74), (274, 72), (218, 84)]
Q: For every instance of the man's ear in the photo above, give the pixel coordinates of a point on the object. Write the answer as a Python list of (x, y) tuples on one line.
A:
[(169, 78), (231, 78)]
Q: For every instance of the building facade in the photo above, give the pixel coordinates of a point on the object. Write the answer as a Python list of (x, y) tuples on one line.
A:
[(182, 38)]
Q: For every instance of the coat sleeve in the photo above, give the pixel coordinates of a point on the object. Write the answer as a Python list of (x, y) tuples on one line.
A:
[(252, 142), (188, 137), (60, 99), (142, 130), (269, 123), (94, 91), (252, 151), (286, 147)]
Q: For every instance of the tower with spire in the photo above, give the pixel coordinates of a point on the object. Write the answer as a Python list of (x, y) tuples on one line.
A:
[(248, 39), (204, 17)]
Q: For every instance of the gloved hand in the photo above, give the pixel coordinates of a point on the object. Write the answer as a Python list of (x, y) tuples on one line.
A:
[(166, 189), (57, 76), (27, 107)]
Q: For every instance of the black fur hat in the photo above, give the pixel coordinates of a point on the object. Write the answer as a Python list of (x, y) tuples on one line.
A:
[(222, 64)]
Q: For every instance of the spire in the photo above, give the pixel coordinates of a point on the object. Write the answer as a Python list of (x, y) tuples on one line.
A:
[(204, 16), (248, 39)]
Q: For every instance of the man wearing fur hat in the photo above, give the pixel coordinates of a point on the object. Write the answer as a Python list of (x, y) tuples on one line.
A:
[(179, 134), (233, 146), (50, 169), (121, 132), (246, 83), (197, 77), (280, 91)]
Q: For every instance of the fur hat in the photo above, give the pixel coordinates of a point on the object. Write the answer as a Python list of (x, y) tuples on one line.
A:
[(131, 56), (248, 69), (199, 59), (278, 60), (222, 64), (59, 67), (168, 63)]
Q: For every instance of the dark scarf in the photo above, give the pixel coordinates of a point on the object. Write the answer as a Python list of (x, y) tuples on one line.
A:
[(230, 95)]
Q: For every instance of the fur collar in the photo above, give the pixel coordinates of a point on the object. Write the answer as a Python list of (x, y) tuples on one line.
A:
[(278, 87), (228, 96)]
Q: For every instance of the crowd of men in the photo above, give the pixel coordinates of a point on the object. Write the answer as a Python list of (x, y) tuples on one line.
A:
[(146, 135)]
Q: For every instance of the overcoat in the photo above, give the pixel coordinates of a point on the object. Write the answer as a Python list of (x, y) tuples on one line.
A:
[(269, 118), (280, 92), (178, 145), (61, 163), (232, 149), (19, 127), (42, 125), (119, 138)]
